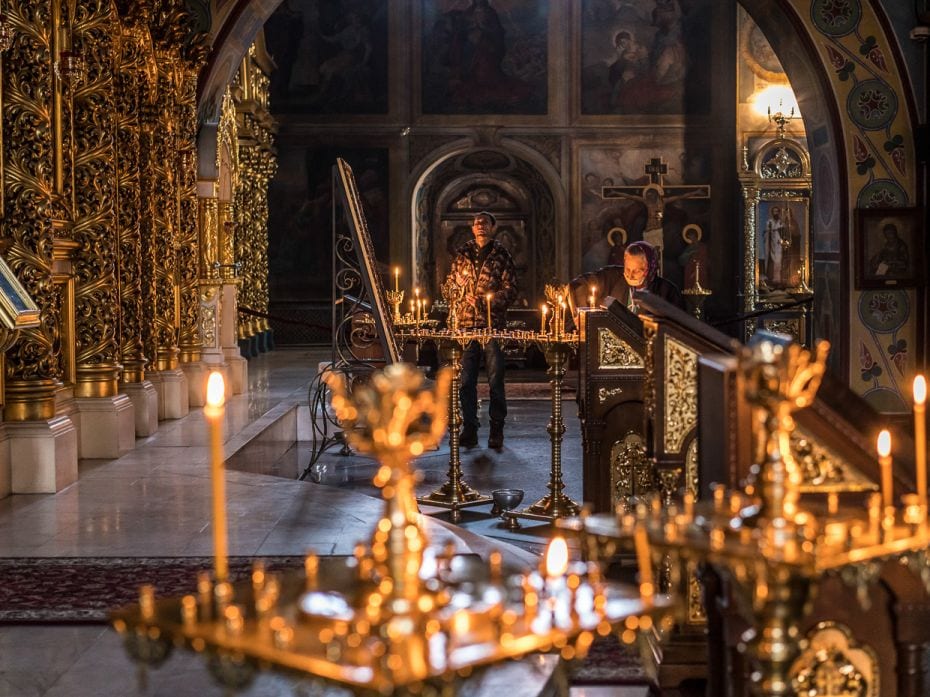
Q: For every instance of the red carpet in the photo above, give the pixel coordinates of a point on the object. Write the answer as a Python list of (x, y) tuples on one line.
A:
[(57, 590)]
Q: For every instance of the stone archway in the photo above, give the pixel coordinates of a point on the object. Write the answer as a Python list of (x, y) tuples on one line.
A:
[(494, 179)]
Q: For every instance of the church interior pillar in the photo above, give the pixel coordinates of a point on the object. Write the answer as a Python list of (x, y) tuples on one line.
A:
[(42, 447), (131, 89), (105, 418)]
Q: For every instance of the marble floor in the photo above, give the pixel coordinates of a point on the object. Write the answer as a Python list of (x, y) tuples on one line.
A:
[(155, 501)]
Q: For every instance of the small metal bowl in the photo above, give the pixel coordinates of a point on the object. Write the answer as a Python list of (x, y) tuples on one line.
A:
[(505, 500)]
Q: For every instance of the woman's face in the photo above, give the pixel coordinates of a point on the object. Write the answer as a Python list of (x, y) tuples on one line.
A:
[(634, 269)]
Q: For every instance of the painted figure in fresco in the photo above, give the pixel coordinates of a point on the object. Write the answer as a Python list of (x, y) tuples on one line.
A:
[(660, 87), (485, 269), (892, 259), (694, 258), (350, 64), (631, 62)]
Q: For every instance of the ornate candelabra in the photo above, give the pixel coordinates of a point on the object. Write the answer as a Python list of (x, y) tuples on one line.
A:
[(555, 504), (396, 298), (455, 494), (697, 295), (772, 551), (397, 618)]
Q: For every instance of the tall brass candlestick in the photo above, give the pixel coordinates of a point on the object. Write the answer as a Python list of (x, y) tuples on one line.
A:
[(213, 412), (920, 437), (884, 461)]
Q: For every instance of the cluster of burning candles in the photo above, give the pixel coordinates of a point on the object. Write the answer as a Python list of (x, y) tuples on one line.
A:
[(915, 505), (353, 622)]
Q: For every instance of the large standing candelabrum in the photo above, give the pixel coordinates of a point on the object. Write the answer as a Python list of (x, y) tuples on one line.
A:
[(397, 619), (773, 551)]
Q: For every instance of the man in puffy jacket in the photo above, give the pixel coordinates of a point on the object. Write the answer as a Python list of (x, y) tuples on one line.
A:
[(485, 270)]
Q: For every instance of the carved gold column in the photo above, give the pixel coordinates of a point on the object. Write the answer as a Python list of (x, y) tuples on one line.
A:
[(130, 83), (30, 163), (165, 215), (245, 236), (257, 165), (95, 189), (189, 262)]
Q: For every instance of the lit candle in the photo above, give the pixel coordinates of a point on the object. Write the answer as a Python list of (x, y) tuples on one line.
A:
[(920, 437), (593, 298), (564, 320), (416, 295), (884, 461), (556, 560), (213, 412), (644, 562), (543, 311), (487, 300), (396, 279)]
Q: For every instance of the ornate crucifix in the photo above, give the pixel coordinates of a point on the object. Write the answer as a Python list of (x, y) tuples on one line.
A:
[(655, 196)]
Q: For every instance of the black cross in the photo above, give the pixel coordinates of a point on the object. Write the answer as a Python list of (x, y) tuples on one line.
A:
[(655, 168)]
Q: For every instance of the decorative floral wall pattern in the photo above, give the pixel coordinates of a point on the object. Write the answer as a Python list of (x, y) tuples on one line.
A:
[(878, 140)]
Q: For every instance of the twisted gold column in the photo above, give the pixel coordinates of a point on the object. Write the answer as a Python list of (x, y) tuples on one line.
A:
[(94, 193), (165, 216), (189, 266), (130, 80), (33, 364)]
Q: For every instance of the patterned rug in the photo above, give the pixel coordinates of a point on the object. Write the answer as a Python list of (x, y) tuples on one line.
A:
[(609, 662), (86, 589)]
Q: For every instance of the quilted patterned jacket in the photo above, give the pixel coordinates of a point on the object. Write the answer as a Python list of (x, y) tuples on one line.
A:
[(497, 276)]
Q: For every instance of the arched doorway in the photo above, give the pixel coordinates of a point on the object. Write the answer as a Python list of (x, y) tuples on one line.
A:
[(483, 179)]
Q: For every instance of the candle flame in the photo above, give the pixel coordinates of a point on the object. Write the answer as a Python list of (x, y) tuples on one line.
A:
[(215, 389), (884, 444), (920, 390), (544, 308), (557, 557), (488, 296)]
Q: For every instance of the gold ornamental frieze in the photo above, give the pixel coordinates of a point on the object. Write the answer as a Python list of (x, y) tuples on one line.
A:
[(613, 353), (822, 470), (833, 664), (680, 384)]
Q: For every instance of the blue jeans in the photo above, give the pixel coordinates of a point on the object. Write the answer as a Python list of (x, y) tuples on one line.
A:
[(468, 392)]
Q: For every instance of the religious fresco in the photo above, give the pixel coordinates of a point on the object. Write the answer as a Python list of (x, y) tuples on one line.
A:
[(300, 216), (331, 56), (484, 57), (645, 57), (617, 205), (883, 331)]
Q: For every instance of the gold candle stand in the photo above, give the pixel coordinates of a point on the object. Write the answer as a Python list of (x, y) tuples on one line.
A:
[(397, 618), (455, 494), (772, 552), (555, 504)]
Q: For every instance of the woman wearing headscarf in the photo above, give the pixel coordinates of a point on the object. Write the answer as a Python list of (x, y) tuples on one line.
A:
[(640, 272)]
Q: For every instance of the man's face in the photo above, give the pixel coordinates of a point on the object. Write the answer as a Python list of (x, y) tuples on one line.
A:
[(776, 212), (634, 269), (482, 228)]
